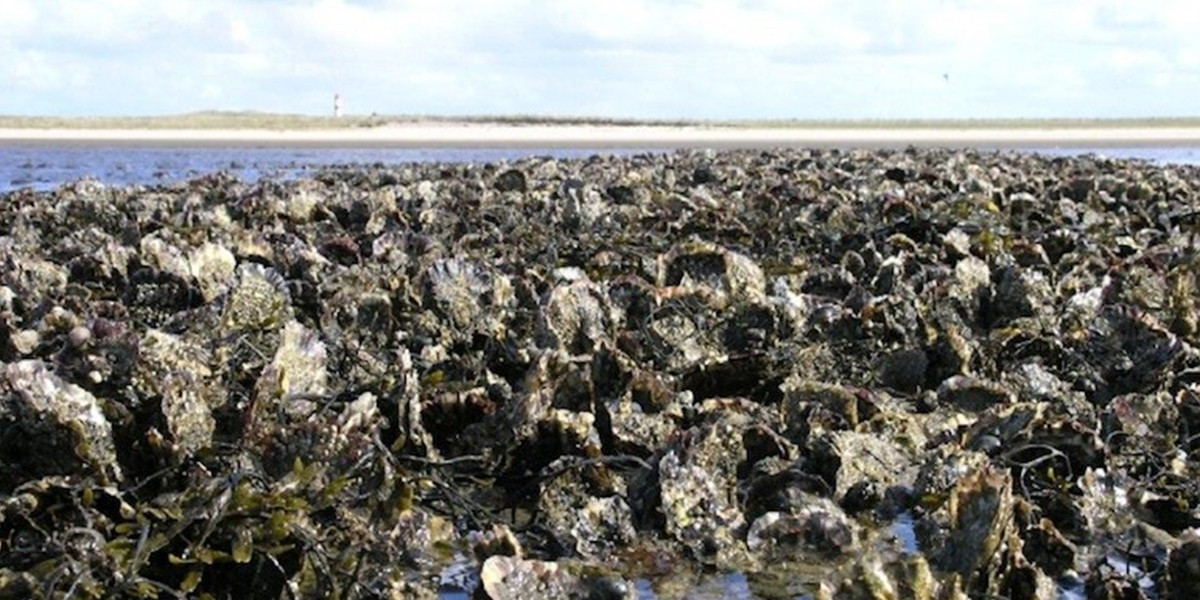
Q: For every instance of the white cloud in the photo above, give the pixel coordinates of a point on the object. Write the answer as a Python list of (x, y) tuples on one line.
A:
[(17, 15), (663, 58), (1130, 58)]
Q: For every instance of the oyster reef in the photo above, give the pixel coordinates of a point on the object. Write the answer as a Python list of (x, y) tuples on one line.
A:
[(867, 375)]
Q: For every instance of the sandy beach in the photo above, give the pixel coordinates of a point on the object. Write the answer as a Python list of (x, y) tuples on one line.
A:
[(598, 136)]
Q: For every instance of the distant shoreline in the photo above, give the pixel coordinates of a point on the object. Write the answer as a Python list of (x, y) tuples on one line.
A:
[(255, 120), (500, 135)]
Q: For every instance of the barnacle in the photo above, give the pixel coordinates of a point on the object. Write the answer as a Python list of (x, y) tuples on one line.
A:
[(259, 299)]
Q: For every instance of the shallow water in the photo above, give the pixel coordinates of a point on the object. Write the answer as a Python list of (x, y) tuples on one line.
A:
[(44, 167), (735, 585), (1162, 155)]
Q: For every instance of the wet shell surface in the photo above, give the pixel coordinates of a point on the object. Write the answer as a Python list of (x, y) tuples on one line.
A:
[(831, 373)]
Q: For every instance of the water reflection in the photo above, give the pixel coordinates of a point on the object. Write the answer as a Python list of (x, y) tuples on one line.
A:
[(46, 167)]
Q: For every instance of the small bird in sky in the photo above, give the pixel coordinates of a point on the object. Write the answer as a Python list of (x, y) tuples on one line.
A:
[(946, 77)]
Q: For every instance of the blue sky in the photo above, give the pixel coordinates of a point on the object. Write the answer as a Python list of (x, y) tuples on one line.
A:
[(757, 59)]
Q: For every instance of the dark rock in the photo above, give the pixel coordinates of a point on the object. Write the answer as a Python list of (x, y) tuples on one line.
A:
[(1183, 570), (904, 370), (512, 180)]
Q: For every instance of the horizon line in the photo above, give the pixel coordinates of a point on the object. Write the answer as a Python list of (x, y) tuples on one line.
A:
[(256, 119)]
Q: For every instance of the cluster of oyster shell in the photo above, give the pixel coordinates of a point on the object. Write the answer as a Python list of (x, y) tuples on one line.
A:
[(572, 376)]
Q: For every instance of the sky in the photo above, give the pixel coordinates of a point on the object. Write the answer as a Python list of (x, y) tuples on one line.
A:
[(661, 59)]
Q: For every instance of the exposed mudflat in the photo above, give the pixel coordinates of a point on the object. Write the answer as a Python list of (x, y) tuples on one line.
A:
[(867, 375)]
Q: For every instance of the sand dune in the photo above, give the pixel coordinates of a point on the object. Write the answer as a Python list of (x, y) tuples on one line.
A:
[(598, 136)]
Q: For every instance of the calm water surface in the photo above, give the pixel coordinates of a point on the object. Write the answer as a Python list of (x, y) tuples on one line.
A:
[(46, 167)]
